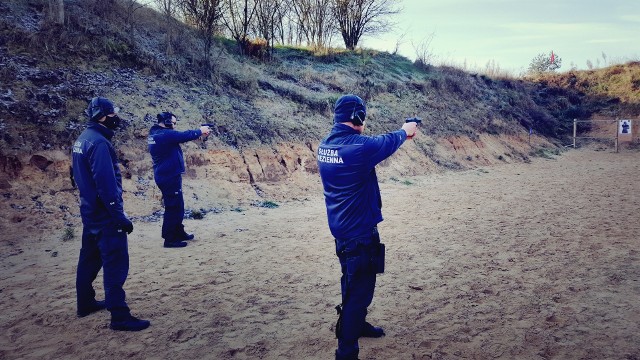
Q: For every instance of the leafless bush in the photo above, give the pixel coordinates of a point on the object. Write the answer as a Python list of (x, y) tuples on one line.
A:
[(399, 42), (424, 53), (258, 48)]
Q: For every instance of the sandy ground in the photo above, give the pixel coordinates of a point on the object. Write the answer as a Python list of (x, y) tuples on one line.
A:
[(528, 261)]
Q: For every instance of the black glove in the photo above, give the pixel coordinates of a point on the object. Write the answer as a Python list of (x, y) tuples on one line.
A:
[(126, 225)]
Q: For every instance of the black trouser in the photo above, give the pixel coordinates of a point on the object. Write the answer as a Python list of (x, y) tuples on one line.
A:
[(358, 282), (106, 249), (172, 228)]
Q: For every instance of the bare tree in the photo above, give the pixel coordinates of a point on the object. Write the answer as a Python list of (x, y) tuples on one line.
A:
[(205, 16), (238, 19), (399, 42), (315, 21), (424, 53), (269, 20), (359, 17), (130, 7), (290, 32), (104, 7), (56, 11), (169, 9), (283, 20)]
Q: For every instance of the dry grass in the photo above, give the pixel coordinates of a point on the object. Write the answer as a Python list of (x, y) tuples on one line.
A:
[(291, 94)]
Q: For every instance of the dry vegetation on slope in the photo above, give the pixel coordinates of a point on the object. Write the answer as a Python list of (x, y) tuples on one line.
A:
[(269, 114)]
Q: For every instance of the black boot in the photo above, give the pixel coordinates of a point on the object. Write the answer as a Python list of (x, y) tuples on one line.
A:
[(99, 305), (129, 323), (371, 331), (183, 235), (187, 236), (353, 356), (174, 244)]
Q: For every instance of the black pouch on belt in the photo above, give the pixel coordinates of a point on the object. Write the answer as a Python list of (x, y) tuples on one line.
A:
[(378, 258)]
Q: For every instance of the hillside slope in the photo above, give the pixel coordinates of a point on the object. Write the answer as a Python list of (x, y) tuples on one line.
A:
[(269, 115)]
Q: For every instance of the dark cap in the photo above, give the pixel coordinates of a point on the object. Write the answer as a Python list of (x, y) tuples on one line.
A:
[(166, 118), (100, 107), (350, 108)]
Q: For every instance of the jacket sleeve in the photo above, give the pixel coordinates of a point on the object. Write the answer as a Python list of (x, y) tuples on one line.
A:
[(177, 137), (381, 147), (105, 178)]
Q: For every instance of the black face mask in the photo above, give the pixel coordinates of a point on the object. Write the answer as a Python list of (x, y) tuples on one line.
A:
[(112, 122)]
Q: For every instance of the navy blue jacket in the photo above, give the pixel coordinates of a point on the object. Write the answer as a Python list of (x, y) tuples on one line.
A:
[(347, 161), (164, 146), (96, 172)]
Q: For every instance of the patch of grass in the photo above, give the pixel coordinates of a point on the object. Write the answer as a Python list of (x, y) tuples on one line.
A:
[(197, 214), (267, 204), (68, 234), (244, 79), (407, 182), (545, 153), (237, 209)]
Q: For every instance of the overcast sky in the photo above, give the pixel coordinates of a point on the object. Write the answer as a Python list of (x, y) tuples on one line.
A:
[(512, 32)]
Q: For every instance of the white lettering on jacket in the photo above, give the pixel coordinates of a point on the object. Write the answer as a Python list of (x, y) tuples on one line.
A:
[(329, 156), (77, 147)]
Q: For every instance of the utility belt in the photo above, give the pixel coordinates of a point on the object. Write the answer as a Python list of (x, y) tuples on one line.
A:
[(370, 250)]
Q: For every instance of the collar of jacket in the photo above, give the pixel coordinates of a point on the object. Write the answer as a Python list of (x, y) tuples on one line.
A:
[(343, 129), (103, 130), (158, 127)]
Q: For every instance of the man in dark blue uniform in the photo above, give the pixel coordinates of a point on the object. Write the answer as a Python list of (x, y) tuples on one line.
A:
[(168, 167), (347, 160), (105, 224)]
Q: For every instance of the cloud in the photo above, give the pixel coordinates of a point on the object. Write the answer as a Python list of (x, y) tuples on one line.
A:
[(608, 41), (553, 27), (632, 18)]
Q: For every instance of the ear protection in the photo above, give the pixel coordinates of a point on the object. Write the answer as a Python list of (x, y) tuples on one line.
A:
[(165, 119), (358, 115), (94, 111), (99, 107)]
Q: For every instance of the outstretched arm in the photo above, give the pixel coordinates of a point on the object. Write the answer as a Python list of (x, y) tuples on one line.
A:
[(382, 146), (178, 137)]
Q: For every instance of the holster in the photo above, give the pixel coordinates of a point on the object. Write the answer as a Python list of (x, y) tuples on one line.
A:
[(377, 258), (339, 323)]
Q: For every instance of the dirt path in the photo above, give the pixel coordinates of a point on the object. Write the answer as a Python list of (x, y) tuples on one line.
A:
[(528, 261)]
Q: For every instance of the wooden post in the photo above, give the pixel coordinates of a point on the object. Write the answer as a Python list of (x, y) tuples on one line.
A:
[(575, 129), (617, 124)]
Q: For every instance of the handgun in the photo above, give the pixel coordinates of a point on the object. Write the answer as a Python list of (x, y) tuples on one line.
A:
[(210, 126), (416, 120)]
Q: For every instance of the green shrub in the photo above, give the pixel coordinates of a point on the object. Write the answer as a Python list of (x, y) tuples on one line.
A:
[(197, 214), (68, 234), (268, 204), (545, 153)]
